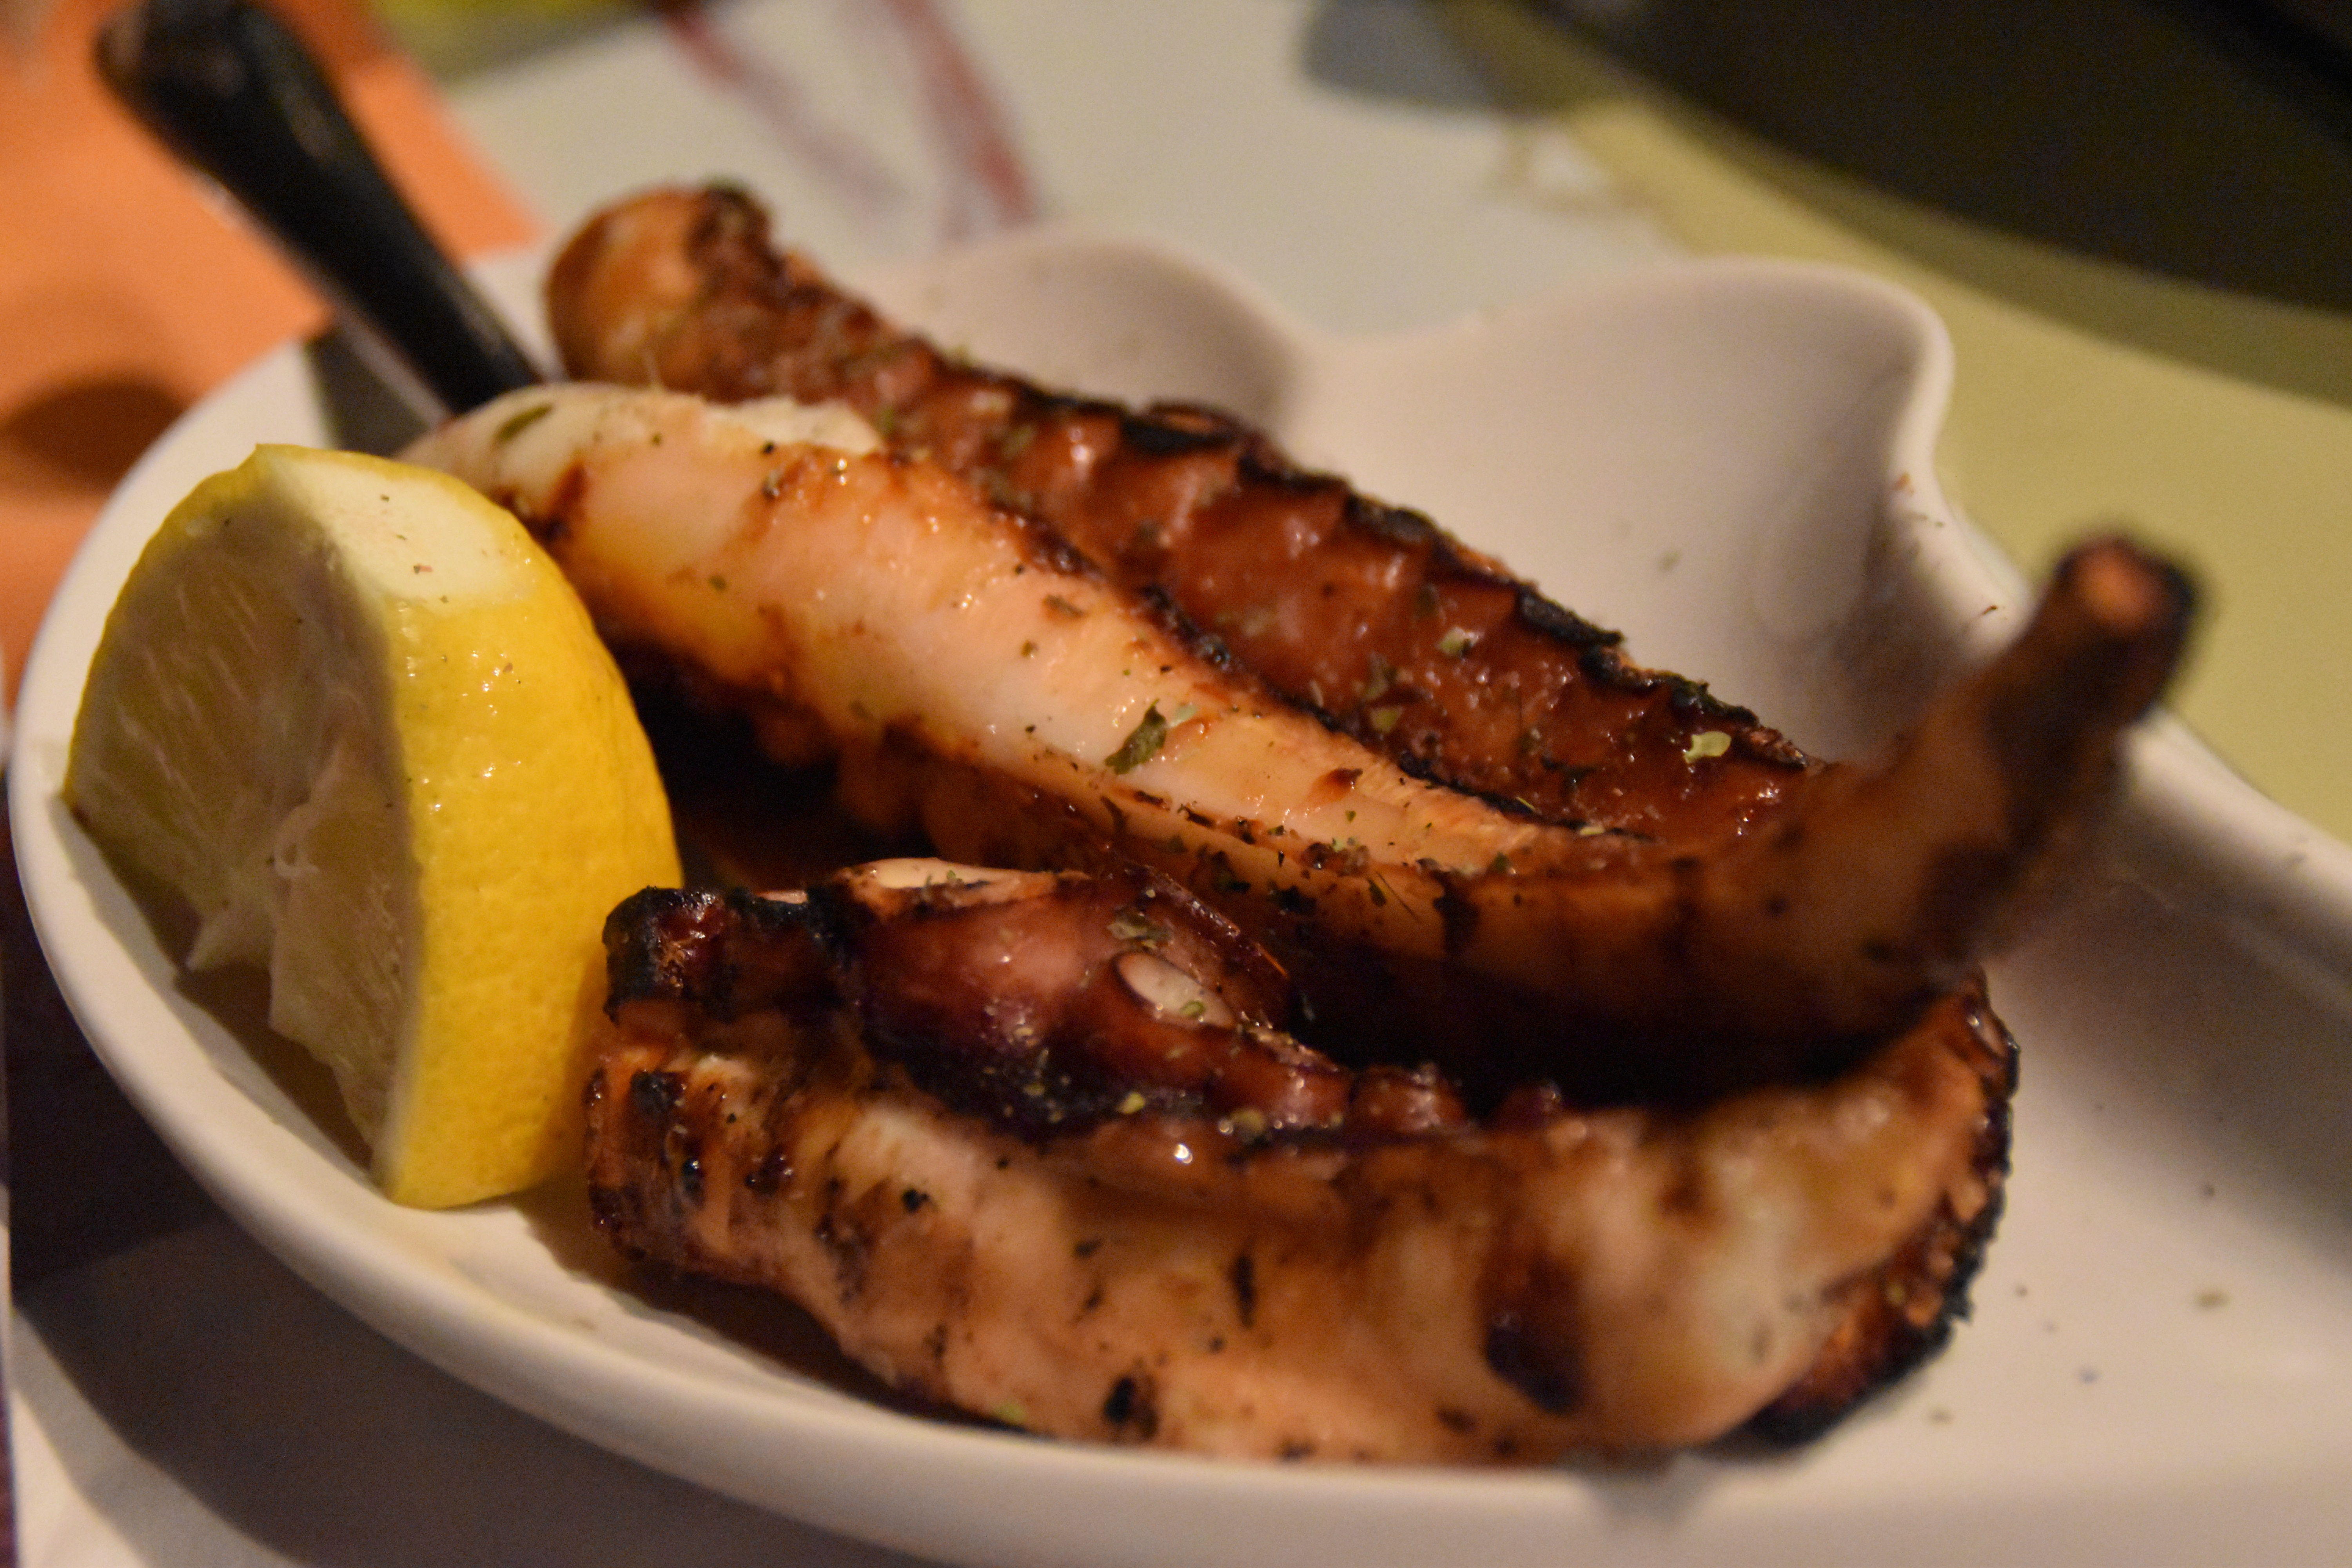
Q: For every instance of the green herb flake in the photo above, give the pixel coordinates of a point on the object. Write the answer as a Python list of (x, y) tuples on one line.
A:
[(1455, 642), (1377, 680), (718, 583), (1029, 650), (1425, 600), (521, 421), (1383, 719), (1501, 865), (1132, 925), (1707, 743), (1142, 743)]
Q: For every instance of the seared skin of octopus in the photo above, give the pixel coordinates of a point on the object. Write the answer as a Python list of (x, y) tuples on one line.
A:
[(1398, 633), (1034, 1145)]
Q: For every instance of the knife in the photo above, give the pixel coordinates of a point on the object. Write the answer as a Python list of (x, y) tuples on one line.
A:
[(236, 97)]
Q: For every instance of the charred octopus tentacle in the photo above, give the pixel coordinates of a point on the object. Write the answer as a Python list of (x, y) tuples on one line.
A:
[(1025, 1143), (1419, 646)]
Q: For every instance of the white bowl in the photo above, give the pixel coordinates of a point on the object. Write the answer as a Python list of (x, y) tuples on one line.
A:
[(1733, 462)]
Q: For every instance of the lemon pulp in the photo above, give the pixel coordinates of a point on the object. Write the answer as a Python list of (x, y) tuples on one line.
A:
[(351, 713)]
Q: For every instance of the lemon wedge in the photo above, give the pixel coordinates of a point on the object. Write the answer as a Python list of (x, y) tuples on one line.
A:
[(351, 713)]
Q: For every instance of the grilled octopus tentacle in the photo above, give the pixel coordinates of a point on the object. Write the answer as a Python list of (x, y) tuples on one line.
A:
[(983, 679), (1419, 646), (1024, 1143)]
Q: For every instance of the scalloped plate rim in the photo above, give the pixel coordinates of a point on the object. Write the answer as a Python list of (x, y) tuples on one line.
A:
[(989, 1496)]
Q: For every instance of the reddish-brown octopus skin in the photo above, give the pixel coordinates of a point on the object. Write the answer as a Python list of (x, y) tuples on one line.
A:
[(1418, 646), (1052, 1217)]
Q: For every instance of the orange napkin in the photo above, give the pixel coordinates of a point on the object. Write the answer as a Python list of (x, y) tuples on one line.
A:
[(126, 292)]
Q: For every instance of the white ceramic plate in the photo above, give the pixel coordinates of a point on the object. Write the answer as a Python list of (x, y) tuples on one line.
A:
[(1731, 461)]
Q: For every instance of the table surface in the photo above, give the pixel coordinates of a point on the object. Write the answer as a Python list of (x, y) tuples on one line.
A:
[(1372, 166)]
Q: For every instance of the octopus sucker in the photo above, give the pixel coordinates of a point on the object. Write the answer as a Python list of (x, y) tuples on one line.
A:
[(1172, 1255), (981, 681)]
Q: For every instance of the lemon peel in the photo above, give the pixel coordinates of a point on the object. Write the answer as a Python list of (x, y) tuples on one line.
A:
[(350, 714)]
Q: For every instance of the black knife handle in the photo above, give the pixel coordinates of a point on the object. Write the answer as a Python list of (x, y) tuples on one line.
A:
[(228, 88)]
